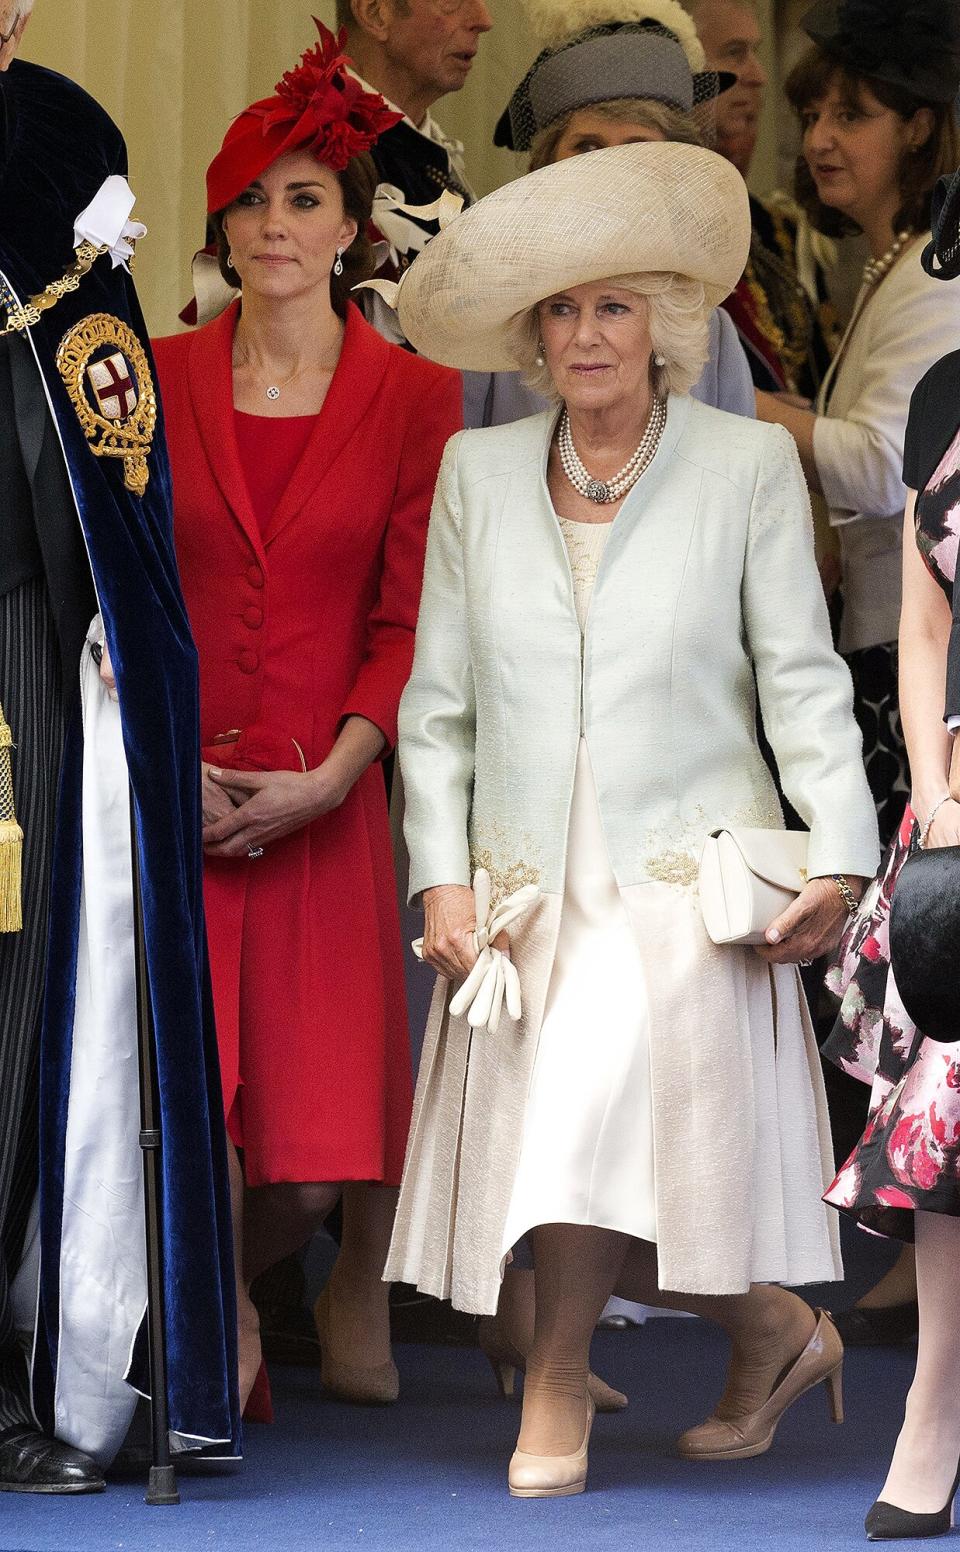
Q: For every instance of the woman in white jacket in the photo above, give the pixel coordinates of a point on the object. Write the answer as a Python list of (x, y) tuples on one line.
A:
[(875, 99), (580, 716)]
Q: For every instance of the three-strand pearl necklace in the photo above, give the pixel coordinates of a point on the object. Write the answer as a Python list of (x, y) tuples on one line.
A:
[(610, 490)]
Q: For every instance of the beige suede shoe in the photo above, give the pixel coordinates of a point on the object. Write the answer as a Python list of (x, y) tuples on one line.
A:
[(375, 1386), (821, 1362)]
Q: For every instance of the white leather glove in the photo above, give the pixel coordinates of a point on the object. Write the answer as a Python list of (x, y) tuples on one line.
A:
[(493, 980)]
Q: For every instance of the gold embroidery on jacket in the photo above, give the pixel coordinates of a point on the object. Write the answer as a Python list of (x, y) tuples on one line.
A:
[(673, 867), (506, 856), (678, 859)]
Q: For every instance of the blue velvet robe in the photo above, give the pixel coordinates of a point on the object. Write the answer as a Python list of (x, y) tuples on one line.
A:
[(56, 148)]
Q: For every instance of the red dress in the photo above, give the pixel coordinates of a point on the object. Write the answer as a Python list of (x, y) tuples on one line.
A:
[(304, 616)]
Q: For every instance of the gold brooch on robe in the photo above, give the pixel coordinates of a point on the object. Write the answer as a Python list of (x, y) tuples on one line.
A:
[(107, 375)]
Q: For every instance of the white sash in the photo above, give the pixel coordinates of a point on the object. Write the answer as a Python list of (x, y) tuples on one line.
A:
[(102, 1261)]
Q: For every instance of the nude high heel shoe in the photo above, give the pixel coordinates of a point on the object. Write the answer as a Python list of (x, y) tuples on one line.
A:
[(821, 1362), (505, 1359), (551, 1476), (378, 1385)]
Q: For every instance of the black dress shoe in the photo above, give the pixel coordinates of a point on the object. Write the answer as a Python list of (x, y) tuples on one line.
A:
[(32, 1463), (885, 1522), (886, 1326)]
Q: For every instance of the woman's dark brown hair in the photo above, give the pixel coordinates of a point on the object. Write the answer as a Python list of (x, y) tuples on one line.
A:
[(809, 82), (358, 182)]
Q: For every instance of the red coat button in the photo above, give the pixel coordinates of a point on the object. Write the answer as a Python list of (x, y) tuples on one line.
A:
[(255, 576), (253, 617), (248, 662)]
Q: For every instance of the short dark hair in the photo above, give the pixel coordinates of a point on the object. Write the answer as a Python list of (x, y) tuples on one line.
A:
[(810, 80), (358, 182)]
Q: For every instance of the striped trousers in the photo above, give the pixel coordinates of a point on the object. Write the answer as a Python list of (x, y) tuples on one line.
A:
[(32, 697)]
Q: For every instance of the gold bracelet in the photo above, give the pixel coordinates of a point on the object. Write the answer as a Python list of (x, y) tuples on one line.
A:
[(846, 893), (928, 825)]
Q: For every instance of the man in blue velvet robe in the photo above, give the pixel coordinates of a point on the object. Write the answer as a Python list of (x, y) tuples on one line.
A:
[(87, 566)]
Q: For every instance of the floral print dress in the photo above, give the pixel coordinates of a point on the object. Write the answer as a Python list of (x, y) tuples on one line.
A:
[(909, 1154)]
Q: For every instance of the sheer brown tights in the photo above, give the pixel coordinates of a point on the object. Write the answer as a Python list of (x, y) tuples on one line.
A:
[(273, 1221), (575, 1269), (768, 1326)]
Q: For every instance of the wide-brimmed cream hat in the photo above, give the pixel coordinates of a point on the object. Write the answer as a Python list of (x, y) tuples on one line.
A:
[(630, 209)]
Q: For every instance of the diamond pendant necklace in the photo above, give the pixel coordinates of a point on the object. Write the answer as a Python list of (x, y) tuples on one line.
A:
[(610, 490), (272, 391)]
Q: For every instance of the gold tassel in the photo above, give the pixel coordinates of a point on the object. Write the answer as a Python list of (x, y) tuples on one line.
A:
[(11, 840)]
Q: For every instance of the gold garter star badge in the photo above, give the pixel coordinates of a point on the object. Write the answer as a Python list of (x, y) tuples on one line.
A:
[(107, 375)]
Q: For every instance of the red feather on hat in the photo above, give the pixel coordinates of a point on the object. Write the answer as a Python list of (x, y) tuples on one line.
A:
[(318, 107), (334, 117)]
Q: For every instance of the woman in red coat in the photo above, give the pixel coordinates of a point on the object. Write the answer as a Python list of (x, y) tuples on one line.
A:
[(304, 452)]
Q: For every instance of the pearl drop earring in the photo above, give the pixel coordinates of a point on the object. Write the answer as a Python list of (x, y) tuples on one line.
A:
[(338, 266), (540, 358), (659, 360)]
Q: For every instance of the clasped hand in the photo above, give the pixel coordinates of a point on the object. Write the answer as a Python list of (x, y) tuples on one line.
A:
[(466, 930), (809, 927), (246, 809), (449, 929)]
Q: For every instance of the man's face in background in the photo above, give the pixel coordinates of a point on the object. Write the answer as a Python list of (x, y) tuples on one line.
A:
[(13, 19), (730, 36)]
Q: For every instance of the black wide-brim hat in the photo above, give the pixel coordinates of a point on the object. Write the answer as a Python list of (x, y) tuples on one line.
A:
[(912, 44), (925, 941)]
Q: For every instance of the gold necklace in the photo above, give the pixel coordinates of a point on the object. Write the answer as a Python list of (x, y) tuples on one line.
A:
[(273, 390), (20, 316)]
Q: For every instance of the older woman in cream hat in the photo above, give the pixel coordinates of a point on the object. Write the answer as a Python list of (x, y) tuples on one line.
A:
[(605, 582)]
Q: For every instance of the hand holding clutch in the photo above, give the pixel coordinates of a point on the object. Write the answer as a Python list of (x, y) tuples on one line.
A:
[(493, 980)]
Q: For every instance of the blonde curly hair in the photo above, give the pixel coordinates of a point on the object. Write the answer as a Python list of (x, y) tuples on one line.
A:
[(679, 331), (672, 123)]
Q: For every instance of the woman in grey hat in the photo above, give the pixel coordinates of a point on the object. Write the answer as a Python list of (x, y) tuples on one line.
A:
[(612, 72)]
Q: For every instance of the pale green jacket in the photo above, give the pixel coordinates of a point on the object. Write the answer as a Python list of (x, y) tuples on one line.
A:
[(707, 593)]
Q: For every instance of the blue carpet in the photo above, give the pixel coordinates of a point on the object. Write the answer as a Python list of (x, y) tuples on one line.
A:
[(429, 1474)]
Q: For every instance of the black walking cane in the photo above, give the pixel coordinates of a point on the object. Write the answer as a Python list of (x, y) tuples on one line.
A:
[(162, 1483)]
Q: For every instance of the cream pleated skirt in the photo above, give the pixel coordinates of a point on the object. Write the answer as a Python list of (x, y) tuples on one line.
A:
[(587, 1154)]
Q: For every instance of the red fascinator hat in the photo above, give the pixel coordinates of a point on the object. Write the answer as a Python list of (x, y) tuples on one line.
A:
[(318, 107)]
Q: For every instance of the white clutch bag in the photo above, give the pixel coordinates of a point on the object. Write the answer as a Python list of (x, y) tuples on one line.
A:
[(747, 878)]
